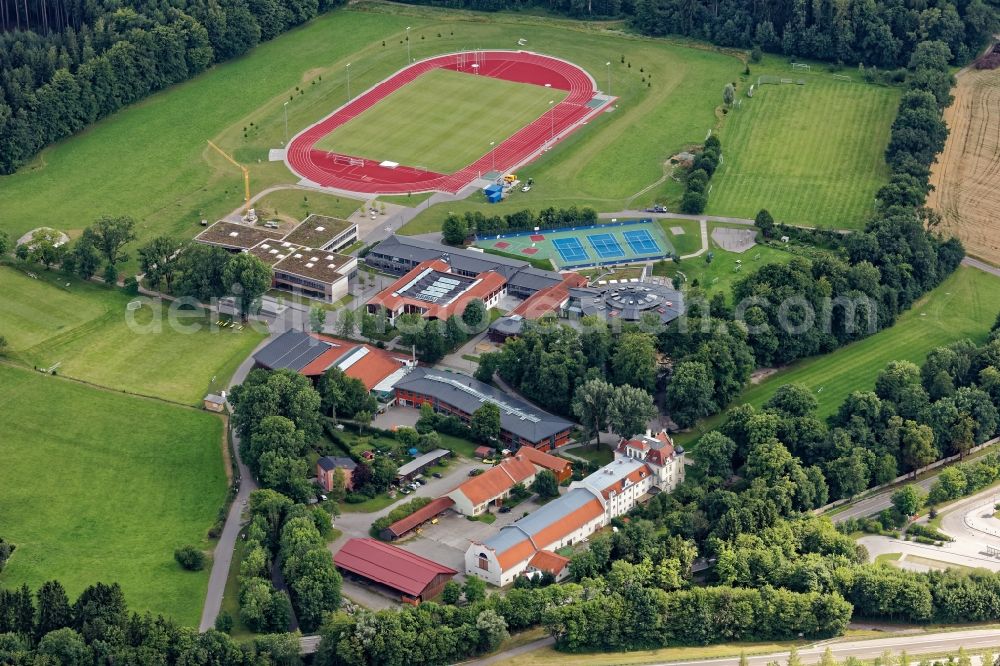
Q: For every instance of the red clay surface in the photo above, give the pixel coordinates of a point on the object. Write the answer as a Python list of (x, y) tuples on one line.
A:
[(529, 250), (501, 245), (367, 177), (537, 237)]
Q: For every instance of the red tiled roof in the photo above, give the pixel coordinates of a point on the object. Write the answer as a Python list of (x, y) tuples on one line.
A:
[(404, 525), (551, 534), (497, 480), (390, 299), (550, 298), (546, 560), (542, 459), (372, 368), (569, 524), (633, 477), (389, 565)]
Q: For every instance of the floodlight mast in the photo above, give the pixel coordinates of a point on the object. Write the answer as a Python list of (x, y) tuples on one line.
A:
[(408, 61), (608, 63), (348, 68)]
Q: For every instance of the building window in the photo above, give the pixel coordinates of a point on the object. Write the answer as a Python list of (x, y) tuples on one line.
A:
[(484, 562)]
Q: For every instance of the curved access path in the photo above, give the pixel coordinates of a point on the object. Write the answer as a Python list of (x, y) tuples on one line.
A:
[(362, 176)]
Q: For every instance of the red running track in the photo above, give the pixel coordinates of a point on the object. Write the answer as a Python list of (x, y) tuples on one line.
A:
[(325, 170)]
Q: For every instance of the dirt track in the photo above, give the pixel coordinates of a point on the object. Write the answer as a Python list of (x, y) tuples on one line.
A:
[(966, 178)]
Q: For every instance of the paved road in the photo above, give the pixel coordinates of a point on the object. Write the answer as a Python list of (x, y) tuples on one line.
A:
[(913, 644), (981, 265), (223, 556), (869, 506)]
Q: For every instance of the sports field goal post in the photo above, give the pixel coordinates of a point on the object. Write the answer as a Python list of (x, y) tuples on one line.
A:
[(801, 67), (842, 77)]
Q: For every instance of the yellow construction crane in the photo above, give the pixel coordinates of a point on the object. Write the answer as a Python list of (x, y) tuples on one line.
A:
[(246, 176)]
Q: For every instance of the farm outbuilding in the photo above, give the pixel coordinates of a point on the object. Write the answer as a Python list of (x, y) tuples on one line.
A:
[(404, 526), (407, 471), (413, 577)]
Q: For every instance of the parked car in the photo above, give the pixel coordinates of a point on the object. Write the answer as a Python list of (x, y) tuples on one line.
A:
[(436, 475), (475, 472), (505, 509), (526, 188), (405, 491)]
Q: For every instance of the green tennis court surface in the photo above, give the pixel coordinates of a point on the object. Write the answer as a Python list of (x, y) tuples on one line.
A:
[(613, 243), (441, 121)]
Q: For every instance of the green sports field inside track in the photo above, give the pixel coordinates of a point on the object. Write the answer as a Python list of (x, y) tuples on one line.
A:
[(441, 121)]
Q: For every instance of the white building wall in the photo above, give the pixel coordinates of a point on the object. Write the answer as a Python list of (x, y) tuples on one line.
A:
[(472, 567), (494, 576), (462, 503)]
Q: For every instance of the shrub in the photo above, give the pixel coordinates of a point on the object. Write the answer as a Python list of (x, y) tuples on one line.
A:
[(355, 498), (190, 558), (929, 533), (224, 622)]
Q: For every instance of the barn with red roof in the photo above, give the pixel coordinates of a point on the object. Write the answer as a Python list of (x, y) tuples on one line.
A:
[(410, 576)]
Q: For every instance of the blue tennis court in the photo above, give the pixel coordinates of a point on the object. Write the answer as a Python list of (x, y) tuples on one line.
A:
[(570, 249), (606, 246), (641, 242)]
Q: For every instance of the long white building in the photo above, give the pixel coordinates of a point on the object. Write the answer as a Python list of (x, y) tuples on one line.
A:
[(641, 466)]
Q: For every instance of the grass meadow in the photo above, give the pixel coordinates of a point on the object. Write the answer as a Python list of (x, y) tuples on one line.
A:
[(98, 486), (152, 161), (964, 306), (810, 154), (442, 121), (86, 329), (725, 268)]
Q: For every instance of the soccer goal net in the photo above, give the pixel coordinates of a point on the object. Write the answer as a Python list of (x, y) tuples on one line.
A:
[(801, 67)]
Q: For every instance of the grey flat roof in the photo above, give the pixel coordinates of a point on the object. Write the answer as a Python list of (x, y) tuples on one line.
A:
[(534, 278), (467, 394), (424, 460), (417, 251), (529, 526), (292, 349)]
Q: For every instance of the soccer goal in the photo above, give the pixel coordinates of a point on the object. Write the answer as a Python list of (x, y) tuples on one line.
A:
[(347, 159), (842, 77), (801, 67)]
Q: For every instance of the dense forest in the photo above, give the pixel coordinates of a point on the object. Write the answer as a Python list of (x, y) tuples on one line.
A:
[(67, 63), (881, 34)]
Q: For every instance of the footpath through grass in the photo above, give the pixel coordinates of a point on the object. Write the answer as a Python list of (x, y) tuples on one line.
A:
[(964, 306), (98, 486), (442, 121), (811, 154), (87, 330)]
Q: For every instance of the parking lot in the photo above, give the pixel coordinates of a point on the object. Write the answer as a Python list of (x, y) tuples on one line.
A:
[(447, 541)]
